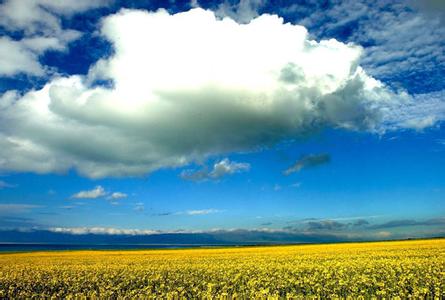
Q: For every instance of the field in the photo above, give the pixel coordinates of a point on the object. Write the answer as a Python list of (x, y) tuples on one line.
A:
[(358, 270)]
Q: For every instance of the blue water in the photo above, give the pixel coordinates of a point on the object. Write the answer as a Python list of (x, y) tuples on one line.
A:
[(56, 247)]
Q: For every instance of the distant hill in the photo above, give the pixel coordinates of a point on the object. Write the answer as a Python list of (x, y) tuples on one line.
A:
[(237, 237)]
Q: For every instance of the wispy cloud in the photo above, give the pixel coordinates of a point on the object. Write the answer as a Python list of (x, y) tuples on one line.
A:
[(266, 224), (139, 207), (16, 222), (441, 141), (163, 214), (400, 45), (199, 212), (4, 185), (14, 208), (308, 161), (220, 169), (191, 212), (296, 185), (68, 207)]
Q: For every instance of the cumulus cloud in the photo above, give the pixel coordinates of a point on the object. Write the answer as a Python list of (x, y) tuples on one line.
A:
[(219, 170), (97, 192), (308, 161), (231, 87)]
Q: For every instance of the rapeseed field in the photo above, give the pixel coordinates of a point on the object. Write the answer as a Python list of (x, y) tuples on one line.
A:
[(380, 270)]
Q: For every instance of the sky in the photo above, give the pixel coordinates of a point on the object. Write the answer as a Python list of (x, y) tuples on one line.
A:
[(306, 118)]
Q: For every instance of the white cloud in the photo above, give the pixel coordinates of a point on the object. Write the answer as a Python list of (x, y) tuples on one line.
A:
[(242, 12), (70, 7), (417, 112), (14, 58), (42, 16), (225, 167), (201, 212), (219, 170), (102, 230), (400, 42), (117, 196), (231, 87), (22, 56), (40, 22), (97, 192)]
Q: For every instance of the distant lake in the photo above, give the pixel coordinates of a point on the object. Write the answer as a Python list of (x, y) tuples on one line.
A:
[(54, 247)]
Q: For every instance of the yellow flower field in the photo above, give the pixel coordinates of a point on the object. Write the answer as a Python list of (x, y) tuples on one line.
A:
[(395, 270)]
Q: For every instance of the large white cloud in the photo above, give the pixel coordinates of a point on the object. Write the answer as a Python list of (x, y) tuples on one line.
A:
[(188, 86)]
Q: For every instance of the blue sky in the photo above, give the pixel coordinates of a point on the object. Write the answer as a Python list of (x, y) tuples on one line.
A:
[(306, 118)]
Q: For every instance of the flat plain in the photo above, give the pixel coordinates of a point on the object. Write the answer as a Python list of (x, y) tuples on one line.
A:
[(396, 270)]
